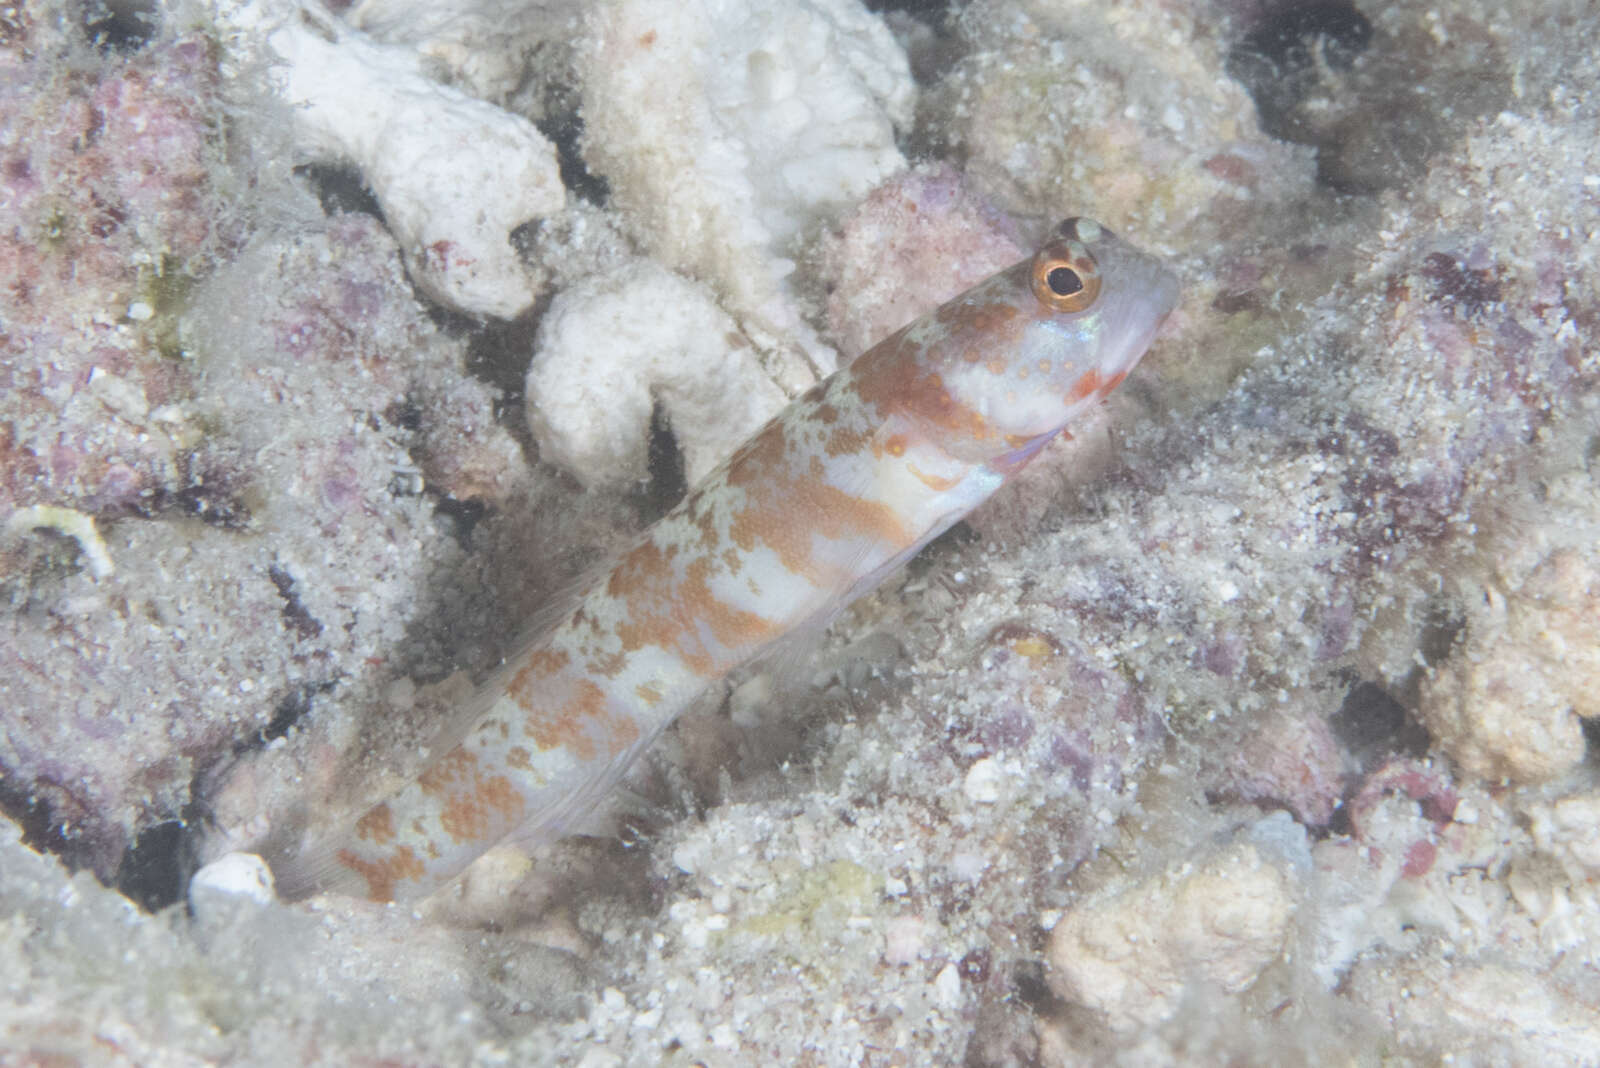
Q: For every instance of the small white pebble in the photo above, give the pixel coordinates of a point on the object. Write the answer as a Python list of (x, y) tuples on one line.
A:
[(968, 867), (233, 875), (983, 782), (903, 940), (947, 987), (140, 312), (686, 859)]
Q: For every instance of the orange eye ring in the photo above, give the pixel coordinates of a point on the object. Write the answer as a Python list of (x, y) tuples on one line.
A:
[(1065, 277)]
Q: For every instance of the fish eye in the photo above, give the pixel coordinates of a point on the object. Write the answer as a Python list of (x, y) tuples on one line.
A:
[(1063, 281), (1065, 277)]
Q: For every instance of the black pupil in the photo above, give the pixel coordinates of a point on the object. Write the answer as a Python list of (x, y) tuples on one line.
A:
[(1063, 281)]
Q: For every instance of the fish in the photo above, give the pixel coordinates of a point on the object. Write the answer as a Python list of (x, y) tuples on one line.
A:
[(819, 506)]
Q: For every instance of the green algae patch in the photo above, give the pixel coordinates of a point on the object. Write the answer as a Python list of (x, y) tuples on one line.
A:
[(818, 900)]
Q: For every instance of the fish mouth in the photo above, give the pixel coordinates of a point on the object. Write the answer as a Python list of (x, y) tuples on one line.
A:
[(1150, 297)]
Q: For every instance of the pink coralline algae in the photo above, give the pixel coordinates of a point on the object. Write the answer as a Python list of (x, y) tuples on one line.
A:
[(917, 240), (1282, 758), (1077, 727), (152, 379), (107, 206), (1430, 787)]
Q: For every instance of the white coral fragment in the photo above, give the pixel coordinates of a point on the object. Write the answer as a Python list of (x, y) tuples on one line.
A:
[(727, 128), (1131, 954), (232, 876), (1507, 704), (1569, 830), (488, 47), (612, 346), (1494, 1013), (454, 174)]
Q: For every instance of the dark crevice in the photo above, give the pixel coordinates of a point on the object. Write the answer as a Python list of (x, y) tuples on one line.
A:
[(952, 540), (155, 870), (935, 13), (1373, 726), (340, 189), (1031, 984), (121, 26), (462, 517), (1376, 106), (565, 131), (1290, 41), (1296, 65), (46, 815), (668, 482), (498, 353)]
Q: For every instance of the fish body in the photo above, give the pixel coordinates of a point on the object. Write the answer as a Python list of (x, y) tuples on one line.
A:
[(831, 496)]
